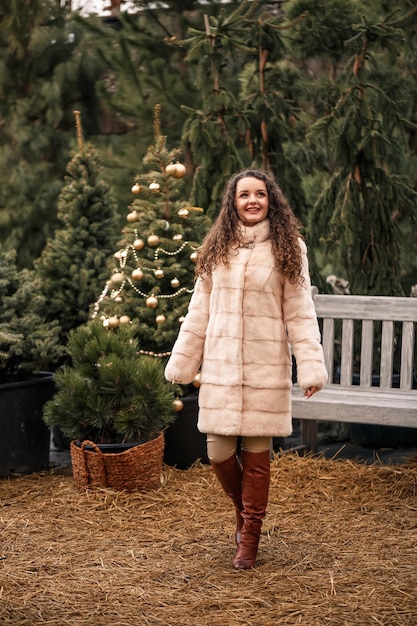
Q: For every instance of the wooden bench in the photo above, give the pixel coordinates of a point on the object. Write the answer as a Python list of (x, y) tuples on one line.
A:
[(370, 354)]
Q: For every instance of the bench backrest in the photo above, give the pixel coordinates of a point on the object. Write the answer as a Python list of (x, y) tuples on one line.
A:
[(375, 338)]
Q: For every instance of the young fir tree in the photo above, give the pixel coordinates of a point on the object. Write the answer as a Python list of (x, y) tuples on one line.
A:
[(28, 344), (369, 195), (72, 266), (153, 271)]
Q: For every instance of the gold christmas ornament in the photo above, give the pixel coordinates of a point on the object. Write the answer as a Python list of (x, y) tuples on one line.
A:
[(170, 169), (153, 240), (136, 189), (159, 273), (193, 256), (118, 299), (113, 322), (124, 319), (117, 278), (177, 237), (196, 381), (154, 187), (180, 170), (175, 282), (181, 319), (137, 274), (138, 244), (178, 404), (183, 213), (160, 319), (132, 217), (152, 302)]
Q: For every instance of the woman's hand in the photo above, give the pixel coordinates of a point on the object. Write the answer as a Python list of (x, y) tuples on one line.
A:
[(310, 391)]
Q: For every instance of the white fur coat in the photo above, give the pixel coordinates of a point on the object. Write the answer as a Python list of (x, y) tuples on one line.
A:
[(240, 322)]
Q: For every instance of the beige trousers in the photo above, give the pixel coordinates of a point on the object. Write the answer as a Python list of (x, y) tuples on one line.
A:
[(221, 447)]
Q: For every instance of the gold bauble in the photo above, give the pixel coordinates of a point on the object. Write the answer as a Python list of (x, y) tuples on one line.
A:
[(118, 299), (170, 169), (193, 256), (159, 273), (137, 274), (154, 187), (160, 319), (181, 319), (136, 189), (153, 240), (117, 278), (183, 213), (124, 319), (138, 244), (152, 302), (132, 217), (177, 237), (178, 404), (175, 282), (197, 381), (180, 170), (113, 322)]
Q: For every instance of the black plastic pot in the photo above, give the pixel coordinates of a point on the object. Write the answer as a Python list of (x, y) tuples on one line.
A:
[(24, 436), (184, 444)]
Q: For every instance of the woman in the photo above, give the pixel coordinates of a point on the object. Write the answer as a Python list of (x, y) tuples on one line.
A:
[(251, 299)]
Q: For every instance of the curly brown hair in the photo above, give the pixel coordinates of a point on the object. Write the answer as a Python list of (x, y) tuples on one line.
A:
[(224, 236)]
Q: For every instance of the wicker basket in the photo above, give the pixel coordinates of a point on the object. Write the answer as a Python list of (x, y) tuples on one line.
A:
[(136, 469)]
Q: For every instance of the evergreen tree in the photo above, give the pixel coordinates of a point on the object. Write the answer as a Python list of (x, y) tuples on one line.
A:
[(28, 344), (153, 272), (44, 75), (72, 267), (369, 194)]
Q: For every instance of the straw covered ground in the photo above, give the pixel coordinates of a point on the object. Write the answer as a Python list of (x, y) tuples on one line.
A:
[(339, 547)]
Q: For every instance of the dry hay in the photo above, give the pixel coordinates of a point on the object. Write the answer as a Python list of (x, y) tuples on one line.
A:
[(338, 548)]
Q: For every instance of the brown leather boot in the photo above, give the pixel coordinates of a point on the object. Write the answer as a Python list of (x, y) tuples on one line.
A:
[(255, 488), (229, 474)]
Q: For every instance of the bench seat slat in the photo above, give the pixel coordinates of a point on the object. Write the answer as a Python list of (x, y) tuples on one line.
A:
[(354, 404)]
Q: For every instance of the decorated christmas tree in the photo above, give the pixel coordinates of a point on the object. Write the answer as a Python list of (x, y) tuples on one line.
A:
[(152, 273)]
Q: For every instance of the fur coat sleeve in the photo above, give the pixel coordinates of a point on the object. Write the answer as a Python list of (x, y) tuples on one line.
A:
[(187, 352), (303, 330)]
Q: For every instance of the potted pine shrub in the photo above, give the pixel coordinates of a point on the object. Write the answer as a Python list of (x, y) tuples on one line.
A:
[(28, 347), (113, 403)]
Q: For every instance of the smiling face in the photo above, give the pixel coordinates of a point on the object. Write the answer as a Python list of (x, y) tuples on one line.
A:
[(252, 202)]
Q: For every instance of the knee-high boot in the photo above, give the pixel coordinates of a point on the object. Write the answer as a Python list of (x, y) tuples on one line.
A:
[(229, 474), (255, 488)]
